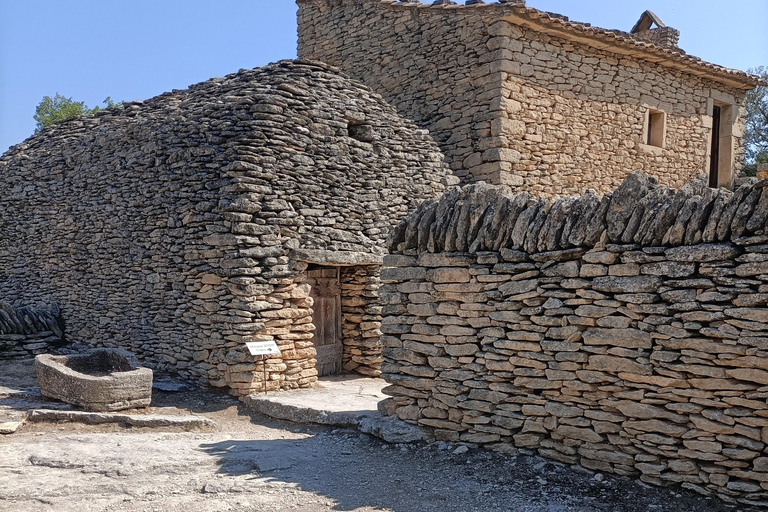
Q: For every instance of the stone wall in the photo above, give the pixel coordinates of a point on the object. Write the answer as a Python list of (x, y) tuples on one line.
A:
[(179, 228), (430, 63), (27, 331), (625, 333), (361, 319), (664, 36), (520, 97)]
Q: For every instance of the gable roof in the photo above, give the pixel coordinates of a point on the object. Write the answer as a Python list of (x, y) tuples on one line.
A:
[(615, 41), (624, 43)]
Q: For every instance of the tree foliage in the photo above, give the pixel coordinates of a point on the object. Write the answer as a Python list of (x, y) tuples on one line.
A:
[(58, 108), (756, 119)]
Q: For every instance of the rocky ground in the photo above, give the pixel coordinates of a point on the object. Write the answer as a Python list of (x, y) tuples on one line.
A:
[(253, 463)]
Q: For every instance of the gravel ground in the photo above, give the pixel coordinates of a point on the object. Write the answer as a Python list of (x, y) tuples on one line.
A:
[(253, 463)]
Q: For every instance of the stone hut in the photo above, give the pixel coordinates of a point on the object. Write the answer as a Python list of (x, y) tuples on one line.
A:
[(530, 99), (252, 207)]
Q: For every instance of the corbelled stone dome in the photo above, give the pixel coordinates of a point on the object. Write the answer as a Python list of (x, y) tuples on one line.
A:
[(180, 227)]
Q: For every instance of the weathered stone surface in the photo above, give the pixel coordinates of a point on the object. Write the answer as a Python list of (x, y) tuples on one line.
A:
[(702, 252), (627, 338), (750, 374), (446, 275), (134, 420), (100, 380), (623, 203), (611, 364), (217, 198), (752, 314), (391, 430), (645, 412), (518, 287), (668, 268), (637, 284)]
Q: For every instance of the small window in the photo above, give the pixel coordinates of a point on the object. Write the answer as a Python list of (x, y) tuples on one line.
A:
[(361, 131), (655, 128)]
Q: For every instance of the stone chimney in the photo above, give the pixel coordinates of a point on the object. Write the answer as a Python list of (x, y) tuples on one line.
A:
[(660, 34)]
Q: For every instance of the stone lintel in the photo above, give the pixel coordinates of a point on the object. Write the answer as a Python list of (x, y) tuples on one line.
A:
[(340, 258)]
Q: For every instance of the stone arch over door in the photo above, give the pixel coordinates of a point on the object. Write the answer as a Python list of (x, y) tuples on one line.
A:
[(345, 288)]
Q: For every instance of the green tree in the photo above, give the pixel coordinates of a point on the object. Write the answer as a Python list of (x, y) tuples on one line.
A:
[(756, 122), (58, 108)]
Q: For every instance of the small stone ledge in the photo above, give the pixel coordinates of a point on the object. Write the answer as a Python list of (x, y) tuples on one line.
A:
[(341, 258), (302, 414), (134, 420), (388, 429), (340, 401)]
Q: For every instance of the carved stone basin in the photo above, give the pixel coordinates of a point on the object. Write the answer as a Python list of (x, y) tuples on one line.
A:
[(104, 379)]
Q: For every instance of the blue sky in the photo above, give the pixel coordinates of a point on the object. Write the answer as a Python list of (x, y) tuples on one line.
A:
[(133, 50)]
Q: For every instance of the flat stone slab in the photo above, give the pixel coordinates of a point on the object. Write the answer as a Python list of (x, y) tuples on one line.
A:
[(340, 400), (135, 420), (10, 421), (9, 427)]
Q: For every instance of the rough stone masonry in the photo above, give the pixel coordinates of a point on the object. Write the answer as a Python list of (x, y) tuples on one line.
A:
[(530, 99), (180, 227), (627, 333)]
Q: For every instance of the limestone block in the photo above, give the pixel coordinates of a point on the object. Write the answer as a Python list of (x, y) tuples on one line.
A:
[(612, 364), (702, 252), (449, 275), (638, 284), (101, 380), (627, 338)]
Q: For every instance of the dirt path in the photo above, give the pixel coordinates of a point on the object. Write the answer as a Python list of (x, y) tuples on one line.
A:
[(252, 463)]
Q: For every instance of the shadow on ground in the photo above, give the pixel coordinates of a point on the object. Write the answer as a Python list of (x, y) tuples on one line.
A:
[(356, 471)]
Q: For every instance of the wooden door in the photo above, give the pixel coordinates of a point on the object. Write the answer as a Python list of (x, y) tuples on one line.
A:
[(326, 293)]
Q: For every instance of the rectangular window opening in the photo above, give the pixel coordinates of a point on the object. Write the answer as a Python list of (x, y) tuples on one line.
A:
[(655, 130)]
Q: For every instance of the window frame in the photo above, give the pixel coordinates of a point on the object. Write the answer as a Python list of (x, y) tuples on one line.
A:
[(655, 128)]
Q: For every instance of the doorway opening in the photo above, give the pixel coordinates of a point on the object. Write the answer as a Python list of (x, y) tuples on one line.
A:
[(714, 152), (721, 148), (328, 341)]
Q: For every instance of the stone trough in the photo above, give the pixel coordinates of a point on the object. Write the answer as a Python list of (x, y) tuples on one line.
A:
[(103, 379)]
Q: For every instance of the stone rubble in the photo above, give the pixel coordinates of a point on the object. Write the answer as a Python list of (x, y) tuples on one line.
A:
[(625, 333)]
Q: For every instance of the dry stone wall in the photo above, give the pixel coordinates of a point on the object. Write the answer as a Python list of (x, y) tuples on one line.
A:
[(625, 333), (361, 319), (430, 63), (169, 227), (510, 104), (27, 331)]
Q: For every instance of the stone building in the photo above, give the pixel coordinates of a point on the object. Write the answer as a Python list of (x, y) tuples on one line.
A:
[(184, 226), (526, 98)]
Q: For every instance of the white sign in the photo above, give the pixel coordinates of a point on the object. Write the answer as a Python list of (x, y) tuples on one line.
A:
[(262, 348)]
